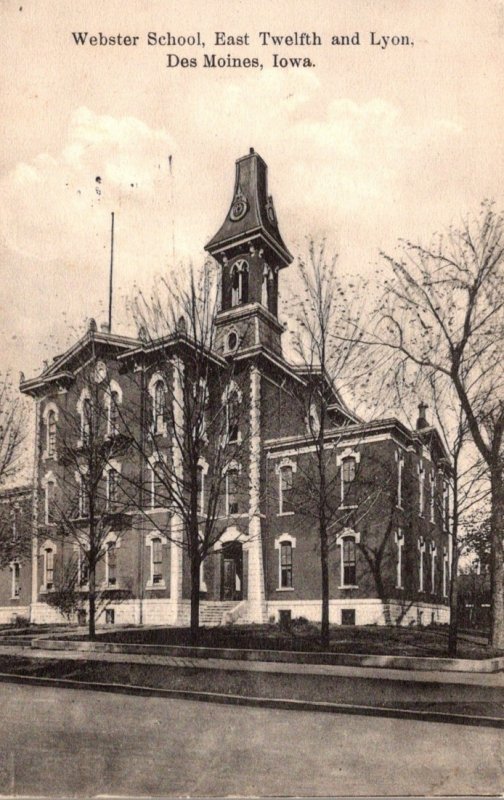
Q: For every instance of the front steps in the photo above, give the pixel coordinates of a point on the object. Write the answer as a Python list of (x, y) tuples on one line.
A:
[(217, 612)]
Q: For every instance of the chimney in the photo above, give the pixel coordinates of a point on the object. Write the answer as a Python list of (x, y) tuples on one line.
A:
[(92, 327), (422, 419), (104, 328)]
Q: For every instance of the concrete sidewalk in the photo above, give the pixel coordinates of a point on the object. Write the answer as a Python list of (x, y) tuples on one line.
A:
[(494, 680)]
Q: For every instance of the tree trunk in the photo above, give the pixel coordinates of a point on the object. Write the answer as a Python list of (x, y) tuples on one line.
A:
[(195, 598), (92, 603), (453, 629), (324, 565), (497, 560)]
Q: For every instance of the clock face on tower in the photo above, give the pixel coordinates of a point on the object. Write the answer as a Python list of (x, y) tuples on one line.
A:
[(99, 372)]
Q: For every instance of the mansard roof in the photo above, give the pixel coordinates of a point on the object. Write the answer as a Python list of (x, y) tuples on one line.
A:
[(251, 214), (62, 370)]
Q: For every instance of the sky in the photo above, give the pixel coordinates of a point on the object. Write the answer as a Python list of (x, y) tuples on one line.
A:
[(369, 145)]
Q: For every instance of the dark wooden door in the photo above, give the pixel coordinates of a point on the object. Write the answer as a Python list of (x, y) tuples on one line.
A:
[(229, 579)]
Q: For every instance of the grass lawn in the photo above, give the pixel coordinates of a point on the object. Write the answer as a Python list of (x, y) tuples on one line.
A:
[(305, 636)]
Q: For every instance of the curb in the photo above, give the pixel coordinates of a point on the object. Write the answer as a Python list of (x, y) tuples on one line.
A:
[(421, 663), (256, 702)]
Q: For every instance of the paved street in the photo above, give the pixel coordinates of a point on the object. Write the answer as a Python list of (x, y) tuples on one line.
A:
[(80, 742)]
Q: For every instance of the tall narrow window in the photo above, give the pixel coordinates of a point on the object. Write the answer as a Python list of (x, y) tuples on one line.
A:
[(445, 572), (201, 489), (15, 528), (399, 538), (232, 491), (433, 553), (49, 568), (239, 283), (50, 503), (421, 548), (83, 497), (113, 420), (157, 561), (159, 493), (400, 467), (159, 406), (286, 500), (349, 561), (286, 565), (112, 483), (111, 564), (232, 415), (83, 568), (347, 478), (86, 421), (421, 484), (16, 580), (51, 434), (432, 495)]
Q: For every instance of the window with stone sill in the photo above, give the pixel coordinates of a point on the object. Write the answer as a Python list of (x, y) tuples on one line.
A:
[(111, 564), (48, 569), (349, 572), (286, 565), (16, 580), (286, 494), (232, 504), (348, 472), (51, 434), (157, 562)]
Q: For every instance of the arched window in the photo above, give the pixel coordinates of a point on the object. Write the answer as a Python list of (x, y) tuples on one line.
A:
[(285, 544), (155, 542), (286, 565), (16, 580), (50, 502), (232, 416), (160, 477), (111, 564), (49, 568), (348, 461), (86, 421), (267, 288), (158, 406), (349, 561), (239, 283), (113, 417), (83, 497), (51, 434), (286, 505), (112, 482), (157, 561), (232, 504), (348, 541), (82, 568)]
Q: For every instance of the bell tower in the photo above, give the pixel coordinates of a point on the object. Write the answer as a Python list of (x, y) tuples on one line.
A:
[(251, 252)]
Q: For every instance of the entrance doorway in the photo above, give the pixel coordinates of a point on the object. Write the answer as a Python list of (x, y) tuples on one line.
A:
[(232, 571)]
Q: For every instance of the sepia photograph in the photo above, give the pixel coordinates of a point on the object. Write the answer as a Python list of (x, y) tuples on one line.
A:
[(252, 398)]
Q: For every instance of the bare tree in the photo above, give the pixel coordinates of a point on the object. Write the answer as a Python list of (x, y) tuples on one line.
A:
[(442, 313), (13, 421), (86, 502), (326, 341), (195, 431)]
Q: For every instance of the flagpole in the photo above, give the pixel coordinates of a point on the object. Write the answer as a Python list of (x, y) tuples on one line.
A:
[(111, 272)]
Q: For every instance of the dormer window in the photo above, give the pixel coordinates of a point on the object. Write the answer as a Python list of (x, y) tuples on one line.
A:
[(239, 282)]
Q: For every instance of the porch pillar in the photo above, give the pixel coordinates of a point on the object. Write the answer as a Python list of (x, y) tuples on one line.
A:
[(256, 592)]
